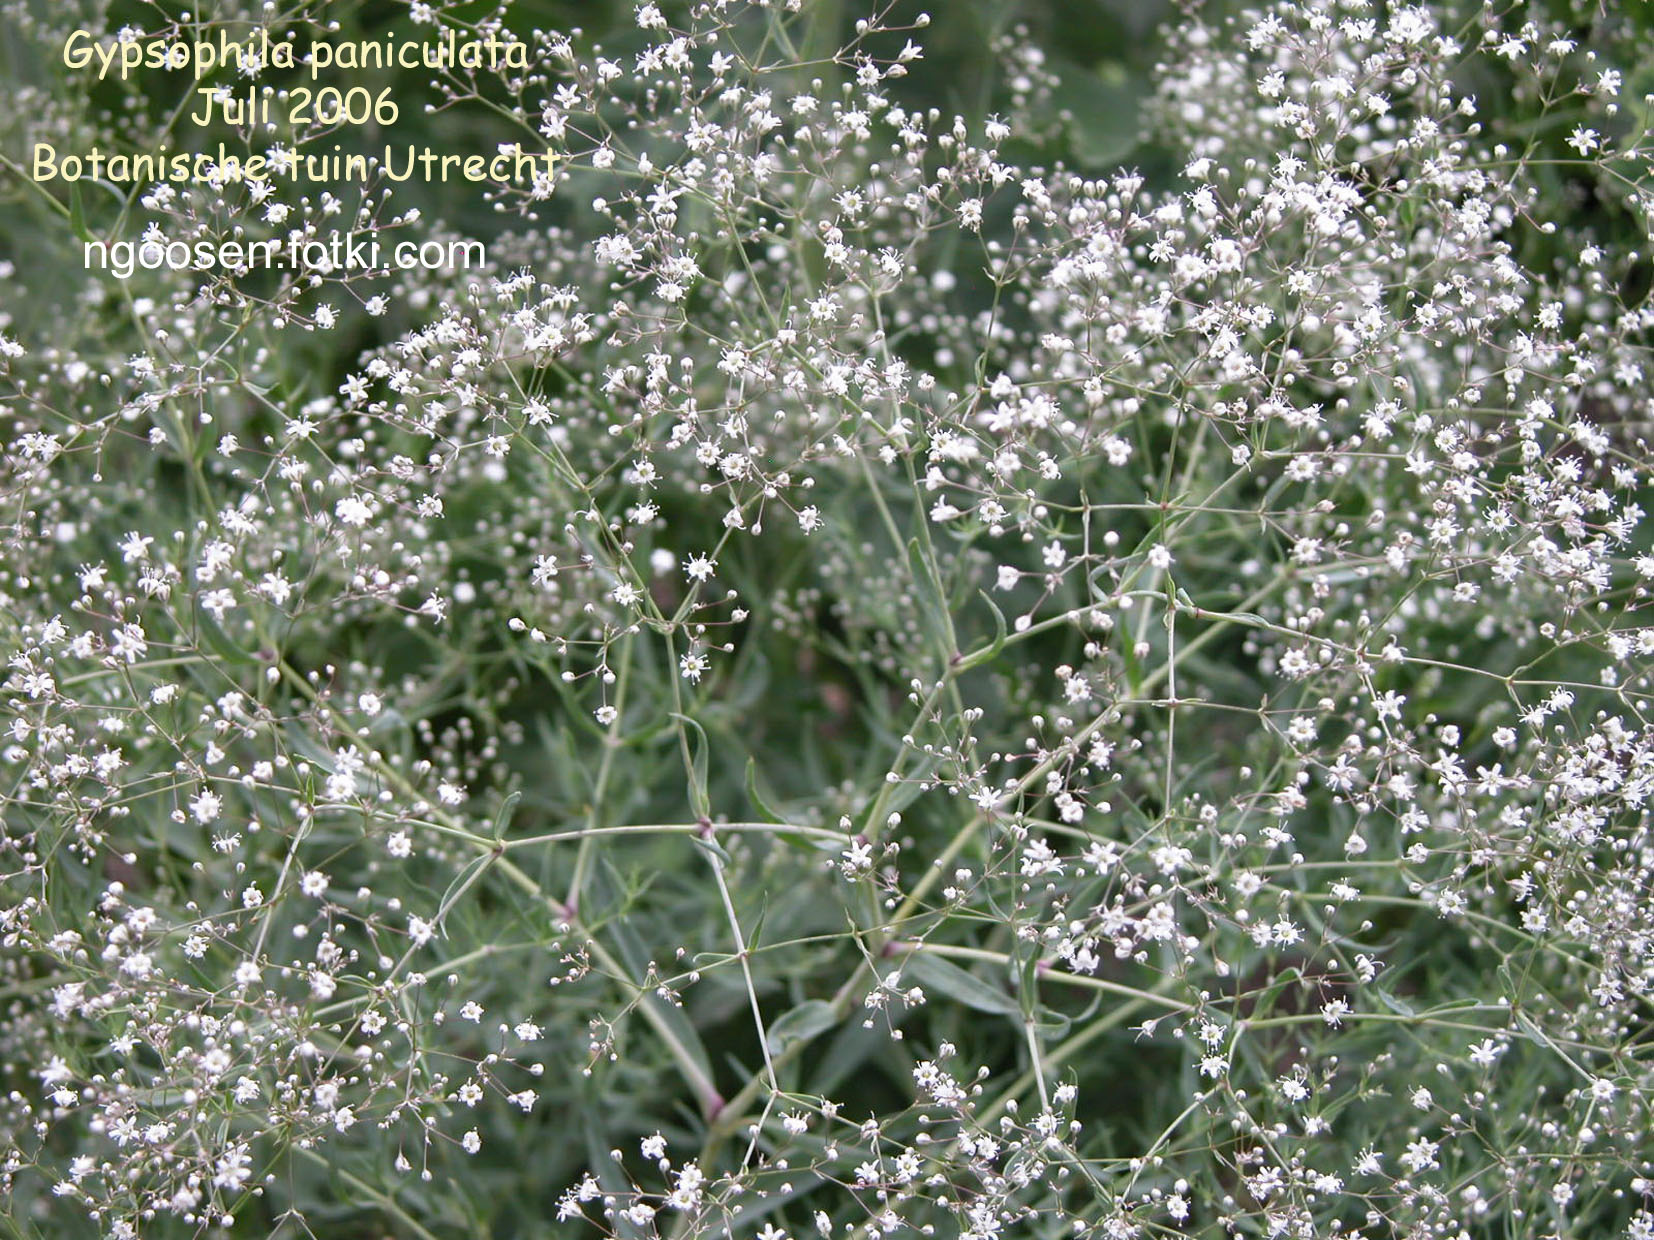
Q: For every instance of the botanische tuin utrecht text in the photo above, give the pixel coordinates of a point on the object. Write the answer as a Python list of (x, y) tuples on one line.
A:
[(396, 163)]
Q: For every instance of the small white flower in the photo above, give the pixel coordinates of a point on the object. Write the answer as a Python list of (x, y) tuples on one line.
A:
[(353, 511)]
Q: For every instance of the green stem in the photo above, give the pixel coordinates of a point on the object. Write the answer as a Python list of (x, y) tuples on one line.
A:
[(383, 1200), (706, 1093), (944, 863)]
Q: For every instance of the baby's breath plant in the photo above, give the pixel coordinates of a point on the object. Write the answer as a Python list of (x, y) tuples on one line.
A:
[(862, 676)]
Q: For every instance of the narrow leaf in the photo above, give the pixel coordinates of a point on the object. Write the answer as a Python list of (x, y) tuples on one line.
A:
[(934, 973), (502, 819), (759, 802), (699, 799), (808, 1020)]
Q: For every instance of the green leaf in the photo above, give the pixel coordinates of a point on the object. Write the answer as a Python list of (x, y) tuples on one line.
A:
[(909, 790), (1053, 1026), (808, 1020), (768, 813), (1128, 656), (748, 688), (77, 213), (934, 973), (609, 1173), (699, 799), (712, 848), (218, 642), (606, 889), (502, 819), (1104, 103), (848, 1051), (1398, 1006), (990, 652), (928, 587), (1027, 979), (759, 802), (999, 627), (467, 875)]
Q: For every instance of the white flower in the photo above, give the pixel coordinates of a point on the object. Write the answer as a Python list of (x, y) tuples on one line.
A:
[(1420, 1156), (135, 547), (275, 587), (1584, 140), (1485, 1054), (353, 511)]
